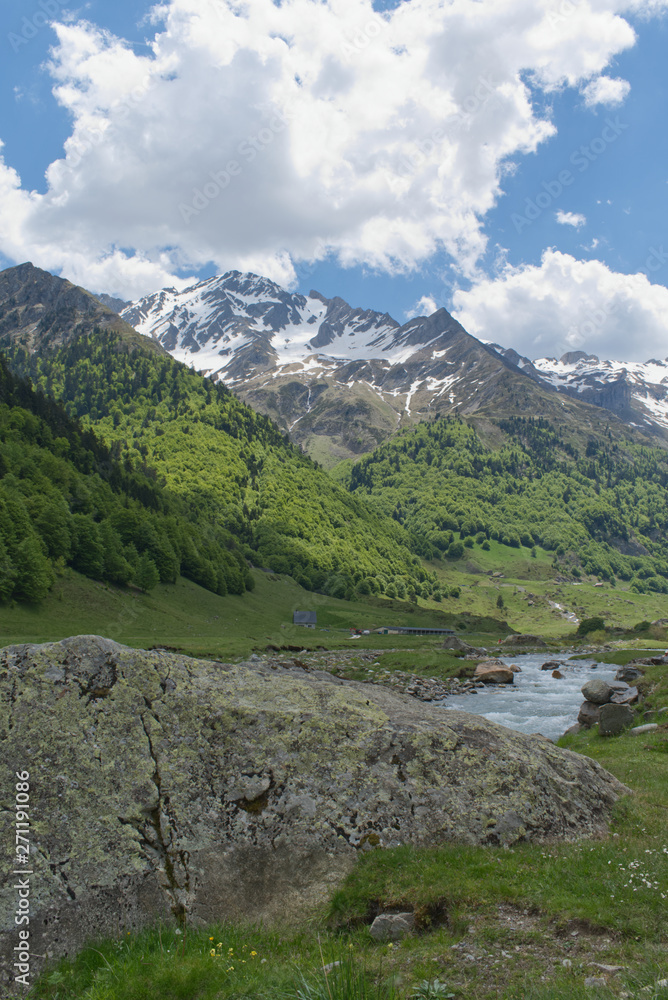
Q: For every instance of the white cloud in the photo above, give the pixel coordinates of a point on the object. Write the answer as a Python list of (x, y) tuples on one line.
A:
[(574, 219), (423, 307), (605, 90), (259, 135), (566, 305)]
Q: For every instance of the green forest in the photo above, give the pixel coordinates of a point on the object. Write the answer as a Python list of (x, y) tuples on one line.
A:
[(131, 468), (253, 497), (601, 511), (65, 500)]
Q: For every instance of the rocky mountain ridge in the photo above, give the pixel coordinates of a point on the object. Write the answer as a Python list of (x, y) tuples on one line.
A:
[(635, 391), (39, 310), (340, 380)]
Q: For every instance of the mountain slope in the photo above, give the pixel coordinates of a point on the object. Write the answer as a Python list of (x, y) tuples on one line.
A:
[(637, 392), (64, 500), (603, 511), (39, 310), (341, 380), (230, 466)]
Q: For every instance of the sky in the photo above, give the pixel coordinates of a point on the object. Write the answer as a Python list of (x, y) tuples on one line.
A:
[(504, 159)]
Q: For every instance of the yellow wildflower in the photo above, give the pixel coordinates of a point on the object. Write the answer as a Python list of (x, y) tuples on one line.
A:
[(213, 952)]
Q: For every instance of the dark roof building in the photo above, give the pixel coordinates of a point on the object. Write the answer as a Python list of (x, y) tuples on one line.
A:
[(308, 618)]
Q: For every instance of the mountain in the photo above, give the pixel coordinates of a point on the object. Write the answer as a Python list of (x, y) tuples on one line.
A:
[(39, 310), (637, 392), (227, 470), (341, 380), (602, 511)]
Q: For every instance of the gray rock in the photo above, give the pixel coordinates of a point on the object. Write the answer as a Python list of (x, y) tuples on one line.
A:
[(524, 639), (574, 730), (392, 926), (247, 792), (552, 665), (592, 982), (625, 697), (613, 719), (589, 714), (639, 730), (628, 673), (597, 690)]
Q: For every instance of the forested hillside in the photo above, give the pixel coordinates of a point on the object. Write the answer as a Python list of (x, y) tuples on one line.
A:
[(65, 500), (601, 511), (226, 464)]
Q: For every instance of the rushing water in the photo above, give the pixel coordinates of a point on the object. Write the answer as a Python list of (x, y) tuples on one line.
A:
[(537, 702)]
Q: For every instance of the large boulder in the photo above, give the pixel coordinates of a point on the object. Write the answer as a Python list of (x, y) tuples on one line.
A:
[(614, 719), (597, 690), (589, 714), (454, 642), (173, 788), (494, 672), (524, 639)]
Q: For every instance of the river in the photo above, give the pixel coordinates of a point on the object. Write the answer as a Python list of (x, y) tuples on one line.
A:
[(537, 702)]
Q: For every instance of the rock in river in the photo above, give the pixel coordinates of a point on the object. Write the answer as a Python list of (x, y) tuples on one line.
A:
[(168, 787)]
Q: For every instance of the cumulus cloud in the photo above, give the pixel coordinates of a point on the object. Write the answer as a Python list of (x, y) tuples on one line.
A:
[(423, 307), (605, 90), (575, 219), (260, 135), (566, 304)]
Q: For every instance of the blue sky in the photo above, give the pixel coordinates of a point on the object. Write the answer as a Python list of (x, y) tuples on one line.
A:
[(505, 160)]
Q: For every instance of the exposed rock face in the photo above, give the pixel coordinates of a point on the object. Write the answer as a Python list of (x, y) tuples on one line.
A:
[(162, 785)]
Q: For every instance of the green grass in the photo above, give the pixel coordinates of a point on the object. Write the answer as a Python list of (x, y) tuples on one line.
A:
[(195, 621)]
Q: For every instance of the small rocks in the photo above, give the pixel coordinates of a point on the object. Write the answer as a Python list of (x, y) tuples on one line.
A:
[(607, 703), (392, 926), (613, 719), (640, 730), (557, 674), (592, 982)]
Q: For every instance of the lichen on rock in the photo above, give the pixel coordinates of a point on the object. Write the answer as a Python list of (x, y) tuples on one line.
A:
[(168, 787)]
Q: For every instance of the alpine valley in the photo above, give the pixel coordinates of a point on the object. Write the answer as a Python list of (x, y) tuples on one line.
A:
[(236, 427)]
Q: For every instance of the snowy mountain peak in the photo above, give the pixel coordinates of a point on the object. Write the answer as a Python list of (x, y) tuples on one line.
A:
[(211, 323)]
